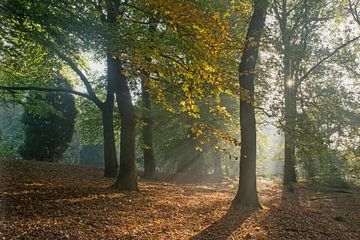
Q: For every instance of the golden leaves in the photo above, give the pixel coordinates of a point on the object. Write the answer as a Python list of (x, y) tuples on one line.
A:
[(192, 54)]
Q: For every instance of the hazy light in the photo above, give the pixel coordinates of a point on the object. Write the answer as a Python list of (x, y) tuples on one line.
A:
[(98, 67), (290, 83)]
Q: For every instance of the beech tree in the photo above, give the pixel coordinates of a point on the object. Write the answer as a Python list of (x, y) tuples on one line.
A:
[(247, 191)]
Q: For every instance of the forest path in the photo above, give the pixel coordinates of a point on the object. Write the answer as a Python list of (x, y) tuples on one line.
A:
[(48, 201)]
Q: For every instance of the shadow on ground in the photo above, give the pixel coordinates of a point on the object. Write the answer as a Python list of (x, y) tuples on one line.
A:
[(226, 225)]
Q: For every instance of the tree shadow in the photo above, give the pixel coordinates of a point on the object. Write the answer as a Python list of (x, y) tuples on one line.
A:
[(226, 225)]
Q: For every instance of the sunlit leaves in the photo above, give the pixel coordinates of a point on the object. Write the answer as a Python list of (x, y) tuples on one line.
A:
[(192, 50)]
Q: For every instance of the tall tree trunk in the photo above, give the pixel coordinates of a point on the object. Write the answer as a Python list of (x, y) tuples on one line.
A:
[(126, 178), (247, 193), (147, 132), (290, 120), (110, 160)]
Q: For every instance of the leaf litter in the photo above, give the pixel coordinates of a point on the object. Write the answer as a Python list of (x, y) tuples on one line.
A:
[(48, 201)]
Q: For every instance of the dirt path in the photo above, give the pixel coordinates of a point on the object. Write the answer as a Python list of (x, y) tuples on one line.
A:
[(48, 201)]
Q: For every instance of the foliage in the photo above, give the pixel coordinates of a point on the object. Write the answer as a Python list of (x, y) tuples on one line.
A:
[(192, 53), (47, 134), (328, 132), (89, 122), (173, 131), (11, 134), (306, 38), (189, 52)]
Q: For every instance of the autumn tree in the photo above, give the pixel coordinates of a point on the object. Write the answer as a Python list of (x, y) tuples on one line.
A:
[(179, 71), (247, 191), (191, 48)]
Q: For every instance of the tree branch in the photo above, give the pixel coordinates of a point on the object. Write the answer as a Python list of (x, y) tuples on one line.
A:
[(306, 75), (138, 8), (354, 11), (82, 76), (176, 61), (53, 48), (13, 89)]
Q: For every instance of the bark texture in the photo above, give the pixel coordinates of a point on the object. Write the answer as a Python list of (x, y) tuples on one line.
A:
[(110, 158)]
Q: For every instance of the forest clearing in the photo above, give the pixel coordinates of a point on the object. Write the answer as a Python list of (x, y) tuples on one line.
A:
[(50, 201), (179, 119)]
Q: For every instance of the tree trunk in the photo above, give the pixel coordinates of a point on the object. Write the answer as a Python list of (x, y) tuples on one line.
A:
[(247, 193), (126, 178), (110, 160), (147, 133), (290, 121)]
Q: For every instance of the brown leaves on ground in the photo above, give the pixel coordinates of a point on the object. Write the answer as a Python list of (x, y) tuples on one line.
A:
[(49, 201)]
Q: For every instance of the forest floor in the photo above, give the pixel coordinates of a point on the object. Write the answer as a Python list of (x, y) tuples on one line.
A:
[(49, 201)]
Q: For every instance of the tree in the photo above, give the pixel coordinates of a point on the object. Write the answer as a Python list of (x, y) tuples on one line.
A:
[(328, 126), (56, 36), (147, 131), (47, 134), (147, 119), (247, 192), (301, 24), (191, 49), (293, 50)]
